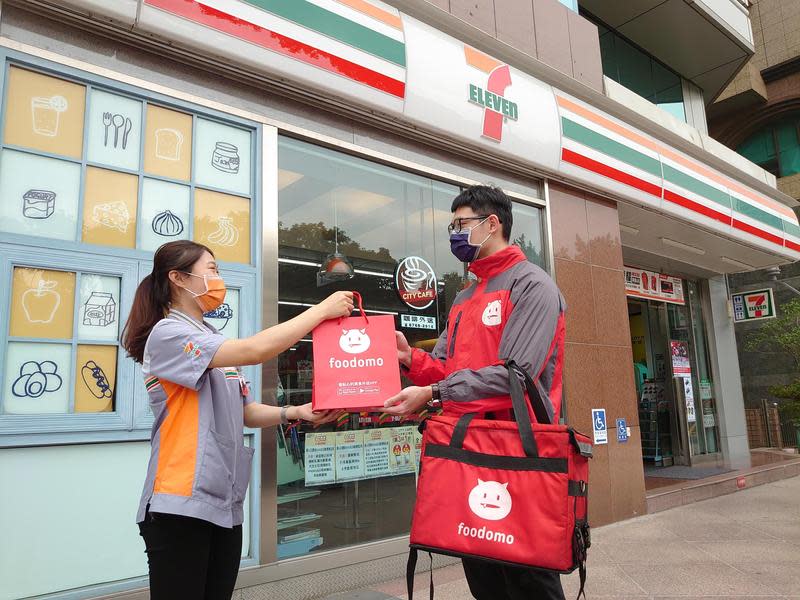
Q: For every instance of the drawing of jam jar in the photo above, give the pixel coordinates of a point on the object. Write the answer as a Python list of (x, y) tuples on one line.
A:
[(225, 157)]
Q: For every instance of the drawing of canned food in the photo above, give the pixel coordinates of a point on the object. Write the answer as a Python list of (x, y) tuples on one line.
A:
[(100, 310), (38, 204), (47, 114), (225, 157)]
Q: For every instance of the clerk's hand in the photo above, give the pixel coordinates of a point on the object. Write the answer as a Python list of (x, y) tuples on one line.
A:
[(320, 417), (338, 304), (403, 350), (408, 401)]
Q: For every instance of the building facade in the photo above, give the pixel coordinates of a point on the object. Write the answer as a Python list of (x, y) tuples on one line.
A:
[(758, 115), (287, 134)]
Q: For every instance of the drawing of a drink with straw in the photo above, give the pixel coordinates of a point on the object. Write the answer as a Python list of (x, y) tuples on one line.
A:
[(46, 114)]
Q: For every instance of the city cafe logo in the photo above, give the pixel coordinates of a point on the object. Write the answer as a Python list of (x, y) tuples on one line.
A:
[(497, 109), (416, 282)]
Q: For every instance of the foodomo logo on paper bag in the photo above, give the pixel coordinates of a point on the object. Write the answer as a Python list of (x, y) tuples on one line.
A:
[(355, 363)]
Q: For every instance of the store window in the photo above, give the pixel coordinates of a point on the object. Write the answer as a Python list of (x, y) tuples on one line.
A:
[(776, 147), (629, 65), (194, 181), (354, 481), (96, 178)]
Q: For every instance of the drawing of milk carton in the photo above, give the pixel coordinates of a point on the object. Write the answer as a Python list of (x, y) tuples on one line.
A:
[(100, 310)]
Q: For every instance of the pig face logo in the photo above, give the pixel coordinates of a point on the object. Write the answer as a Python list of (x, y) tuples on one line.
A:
[(492, 314), (354, 341), (490, 500)]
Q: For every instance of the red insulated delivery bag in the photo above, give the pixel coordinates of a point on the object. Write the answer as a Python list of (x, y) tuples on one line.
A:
[(355, 362), (510, 492)]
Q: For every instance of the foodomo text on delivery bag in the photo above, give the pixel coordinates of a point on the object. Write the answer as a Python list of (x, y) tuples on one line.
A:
[(355, 362)]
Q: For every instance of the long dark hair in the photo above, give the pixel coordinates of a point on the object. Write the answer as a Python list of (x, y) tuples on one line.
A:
[(153, 296)]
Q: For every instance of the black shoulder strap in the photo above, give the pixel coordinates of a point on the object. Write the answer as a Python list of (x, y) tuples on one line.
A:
[(543, 415), (411, 566)]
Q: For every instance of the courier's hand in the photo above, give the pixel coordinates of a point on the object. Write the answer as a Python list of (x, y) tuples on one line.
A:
[(317, 418), (403, 350), (408, 401), (338, 304)]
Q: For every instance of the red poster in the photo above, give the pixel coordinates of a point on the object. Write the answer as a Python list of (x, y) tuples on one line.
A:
[(680, 358)]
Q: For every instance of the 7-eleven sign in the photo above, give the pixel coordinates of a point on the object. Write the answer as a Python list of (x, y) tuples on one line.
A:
[(490, 96), (753, 306)]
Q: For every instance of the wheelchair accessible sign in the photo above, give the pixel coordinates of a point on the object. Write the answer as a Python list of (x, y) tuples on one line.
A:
[(600, 426)]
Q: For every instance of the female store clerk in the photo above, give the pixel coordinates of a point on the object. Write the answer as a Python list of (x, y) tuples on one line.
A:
[(191, 510)]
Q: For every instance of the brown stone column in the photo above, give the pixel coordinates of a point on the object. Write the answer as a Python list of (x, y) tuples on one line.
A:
[(598, 357)]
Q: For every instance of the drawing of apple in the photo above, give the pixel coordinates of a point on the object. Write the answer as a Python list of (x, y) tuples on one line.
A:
[(41, 303)]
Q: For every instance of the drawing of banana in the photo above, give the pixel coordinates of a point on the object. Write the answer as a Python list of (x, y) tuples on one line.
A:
[(226, 234)]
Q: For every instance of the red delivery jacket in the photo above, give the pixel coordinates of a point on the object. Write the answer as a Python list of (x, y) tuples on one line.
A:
[(514, 311)]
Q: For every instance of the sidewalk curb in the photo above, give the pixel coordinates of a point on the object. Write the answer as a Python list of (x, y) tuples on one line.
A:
[(692, 491)]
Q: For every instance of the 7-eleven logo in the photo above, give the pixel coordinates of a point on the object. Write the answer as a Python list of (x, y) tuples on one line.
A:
[(496, 108), (757, 305)]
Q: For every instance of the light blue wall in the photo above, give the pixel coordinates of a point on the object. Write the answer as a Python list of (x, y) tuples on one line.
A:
[(68, 517)]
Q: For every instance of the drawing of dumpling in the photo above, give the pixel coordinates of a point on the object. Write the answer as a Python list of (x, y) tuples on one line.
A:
[(168, 144), (113, 215)]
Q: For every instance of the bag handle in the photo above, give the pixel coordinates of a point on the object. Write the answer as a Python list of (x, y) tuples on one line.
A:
[(358, 299), (521, 411), (543, 415)]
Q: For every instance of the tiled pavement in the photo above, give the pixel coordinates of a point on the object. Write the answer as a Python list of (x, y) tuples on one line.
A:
[(743, 545)]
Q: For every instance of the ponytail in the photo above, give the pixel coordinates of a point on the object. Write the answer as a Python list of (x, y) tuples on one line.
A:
[(154, 295)]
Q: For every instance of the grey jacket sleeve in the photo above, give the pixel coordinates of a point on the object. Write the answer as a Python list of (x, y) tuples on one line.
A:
[(527, 339)]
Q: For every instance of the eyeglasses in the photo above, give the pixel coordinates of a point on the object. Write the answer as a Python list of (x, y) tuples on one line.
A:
[(458, 223)]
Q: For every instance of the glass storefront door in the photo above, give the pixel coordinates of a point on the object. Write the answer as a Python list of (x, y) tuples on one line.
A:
[(661, 441), (677, 413), (354, 481)]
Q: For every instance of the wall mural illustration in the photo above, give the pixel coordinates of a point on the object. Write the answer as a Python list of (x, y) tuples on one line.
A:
[(38, 204), (122, 126), (96, 381), (41, 303), (36, 378), (100, 310), (47, 114)]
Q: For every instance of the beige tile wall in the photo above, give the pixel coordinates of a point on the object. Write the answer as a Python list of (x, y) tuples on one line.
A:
[(544, 29), (598, 370)]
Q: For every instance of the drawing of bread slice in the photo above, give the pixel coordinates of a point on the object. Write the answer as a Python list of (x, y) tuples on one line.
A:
[(168, 144)]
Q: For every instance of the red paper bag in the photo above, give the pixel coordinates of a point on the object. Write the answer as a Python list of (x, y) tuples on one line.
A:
[(355, 362)]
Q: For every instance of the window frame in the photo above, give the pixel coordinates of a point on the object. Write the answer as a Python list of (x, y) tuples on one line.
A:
[(120, 418), (131, 421), (616, 34), (770, 129)]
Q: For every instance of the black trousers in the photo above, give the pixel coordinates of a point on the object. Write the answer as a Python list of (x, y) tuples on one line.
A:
[(189, 558), (490, 581)]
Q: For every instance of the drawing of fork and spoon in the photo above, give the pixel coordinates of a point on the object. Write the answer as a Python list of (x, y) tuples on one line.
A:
[(121, 124)]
